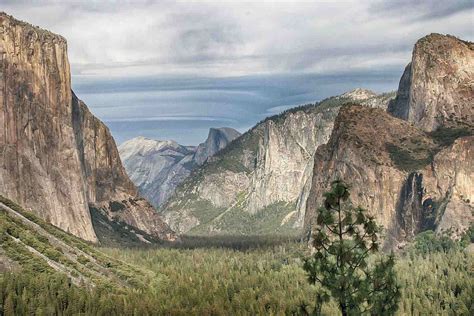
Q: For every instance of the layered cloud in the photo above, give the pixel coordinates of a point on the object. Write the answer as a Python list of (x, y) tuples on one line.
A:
[(233, 62), (231, 38)]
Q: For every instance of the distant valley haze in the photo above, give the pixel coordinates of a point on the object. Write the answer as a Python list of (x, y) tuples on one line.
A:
[(168, 70)]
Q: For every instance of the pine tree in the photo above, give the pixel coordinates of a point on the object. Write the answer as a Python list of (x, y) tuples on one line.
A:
[(345, 237), (9, 307)]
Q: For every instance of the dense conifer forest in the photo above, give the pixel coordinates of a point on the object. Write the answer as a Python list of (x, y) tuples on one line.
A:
[(46, 271), (264, 279)]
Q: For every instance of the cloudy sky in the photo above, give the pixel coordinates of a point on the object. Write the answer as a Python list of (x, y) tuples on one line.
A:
[(171, 70)]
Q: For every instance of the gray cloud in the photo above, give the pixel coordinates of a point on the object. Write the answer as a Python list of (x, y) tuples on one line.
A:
[(426, 9), (231, 63), (184, 108), (222, 39)]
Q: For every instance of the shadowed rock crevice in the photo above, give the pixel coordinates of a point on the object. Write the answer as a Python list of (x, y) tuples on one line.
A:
[(415, 211)]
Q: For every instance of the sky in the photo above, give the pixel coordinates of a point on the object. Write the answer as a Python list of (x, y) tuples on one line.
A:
[(172, 70)]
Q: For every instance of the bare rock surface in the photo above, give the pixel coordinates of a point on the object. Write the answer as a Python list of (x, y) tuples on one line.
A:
[(437, 87), (158, 167), (56, 157), (413, 170), (401, 174), (263, 177)]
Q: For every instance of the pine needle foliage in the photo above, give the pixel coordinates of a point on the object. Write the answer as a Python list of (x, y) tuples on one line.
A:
[(344, 239)]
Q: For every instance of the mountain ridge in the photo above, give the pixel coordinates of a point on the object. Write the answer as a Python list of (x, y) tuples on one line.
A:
[(157, 167), (57, 158), (265, 169), (415, 161)]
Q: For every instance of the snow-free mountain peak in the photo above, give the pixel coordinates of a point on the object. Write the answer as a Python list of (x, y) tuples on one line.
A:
[(157, 167)]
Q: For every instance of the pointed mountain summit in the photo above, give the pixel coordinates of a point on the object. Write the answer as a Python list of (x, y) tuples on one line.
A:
[(158, 167), (437, 87)]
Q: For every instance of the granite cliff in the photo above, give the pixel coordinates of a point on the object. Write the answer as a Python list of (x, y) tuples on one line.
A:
[(257, 184), (217, 140), (414, 169), (437, 87), (56, 157), (158, 167)]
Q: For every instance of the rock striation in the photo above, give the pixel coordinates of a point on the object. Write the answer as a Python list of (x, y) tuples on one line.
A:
[(158, 167), (437, 87), (398, 172), (56, 157), (413, 169), (261, 180), (217, 140)]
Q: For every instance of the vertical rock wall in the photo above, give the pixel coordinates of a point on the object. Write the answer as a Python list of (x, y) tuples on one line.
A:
[(39, 164), (55, 156)]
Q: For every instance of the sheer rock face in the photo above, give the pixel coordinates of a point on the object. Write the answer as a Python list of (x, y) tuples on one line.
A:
[(284, 157), (36, 138), (357, 152), (406, 199), (217, 139), (437, 88), (57, 158), (449, 182), (414, 170), (390, 166), (158, 167), (272, 163)]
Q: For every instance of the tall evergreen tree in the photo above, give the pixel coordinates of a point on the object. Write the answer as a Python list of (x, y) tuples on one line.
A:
[(9, 306), (344, 239)]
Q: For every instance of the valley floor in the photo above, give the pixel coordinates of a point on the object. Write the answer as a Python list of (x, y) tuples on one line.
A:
[(261, 280), (46, 271)]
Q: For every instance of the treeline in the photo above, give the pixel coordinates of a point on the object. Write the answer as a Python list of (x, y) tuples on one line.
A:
[(220, 281)]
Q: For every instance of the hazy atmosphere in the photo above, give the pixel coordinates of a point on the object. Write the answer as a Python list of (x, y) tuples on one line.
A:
[(170, 70)]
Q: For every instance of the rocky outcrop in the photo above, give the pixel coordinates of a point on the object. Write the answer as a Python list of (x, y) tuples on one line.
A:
[(158, 167), (437, 88), (217, 139), (37, 138), (56, 157), (449, 187), (396, 171), (414, 170), (264, 172)]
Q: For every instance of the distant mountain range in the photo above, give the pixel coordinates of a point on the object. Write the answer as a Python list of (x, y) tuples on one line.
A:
[(392, 150), (259, 182), (158, 167), (406, 155)]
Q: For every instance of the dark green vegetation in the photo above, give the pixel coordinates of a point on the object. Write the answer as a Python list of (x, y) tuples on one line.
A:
[(344, 239), (446, 136), (39, 247), (408, 161), (202, 275), (428, 242), (219, 281)]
